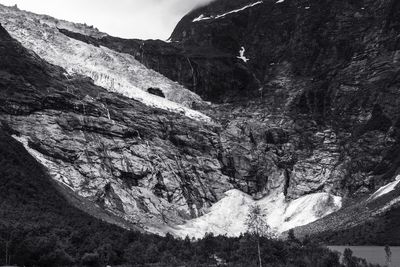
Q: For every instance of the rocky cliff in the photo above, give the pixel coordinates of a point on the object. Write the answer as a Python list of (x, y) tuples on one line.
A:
[(324, 78), (327, 77), (143, 164), (309, 120), (328, 68)]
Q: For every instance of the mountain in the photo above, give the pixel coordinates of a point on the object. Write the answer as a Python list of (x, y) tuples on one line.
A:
[(114, 151), (303, 119), (114, 71), (38, 225), (45, 223), (330, 71)]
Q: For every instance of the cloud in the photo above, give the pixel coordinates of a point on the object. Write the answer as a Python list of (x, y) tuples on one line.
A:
[(143, 19)]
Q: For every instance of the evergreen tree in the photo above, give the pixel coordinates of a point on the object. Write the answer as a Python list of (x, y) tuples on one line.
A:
[(348, 259), (257, 226)]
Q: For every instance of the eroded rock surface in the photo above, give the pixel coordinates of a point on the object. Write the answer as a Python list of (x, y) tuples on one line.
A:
[(314, 110), (324, 73), (151, 167)]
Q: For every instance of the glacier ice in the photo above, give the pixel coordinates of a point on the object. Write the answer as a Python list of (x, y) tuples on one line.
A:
[(117, 72), (228, 215)]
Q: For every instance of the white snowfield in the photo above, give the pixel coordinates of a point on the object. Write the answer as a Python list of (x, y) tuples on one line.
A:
[(385, 189), (228, 216), (116, 72), (202, 17)]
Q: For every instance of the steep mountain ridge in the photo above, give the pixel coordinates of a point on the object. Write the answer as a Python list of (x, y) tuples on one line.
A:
[(344, 92), (152, 168), (350, 83), (331, 69), (125, 157), (312, 112)]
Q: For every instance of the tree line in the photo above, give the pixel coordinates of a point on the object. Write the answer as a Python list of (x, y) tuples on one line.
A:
[(39, 227)]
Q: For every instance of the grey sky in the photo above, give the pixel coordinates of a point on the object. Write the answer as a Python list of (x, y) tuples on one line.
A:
[(143, 19)]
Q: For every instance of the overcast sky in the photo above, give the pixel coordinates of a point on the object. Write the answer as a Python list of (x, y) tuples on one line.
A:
[(143, 19)]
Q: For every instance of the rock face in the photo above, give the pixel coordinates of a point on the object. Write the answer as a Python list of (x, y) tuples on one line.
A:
[(310, 92), (317, 108), (190, 65), (326, 111), (323, 74), (314, 38), (143, 164), (326, 94), (153, 168)]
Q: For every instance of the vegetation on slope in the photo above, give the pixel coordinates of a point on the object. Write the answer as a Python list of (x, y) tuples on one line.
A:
[(38, 227)]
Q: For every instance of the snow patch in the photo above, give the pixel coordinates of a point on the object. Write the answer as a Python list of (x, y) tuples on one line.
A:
[(385, 189), (202, 17), (242, 56), (280, 1), (228, 215)]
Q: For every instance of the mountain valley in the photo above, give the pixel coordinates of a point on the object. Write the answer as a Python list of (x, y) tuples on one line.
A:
[(293, 105)]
